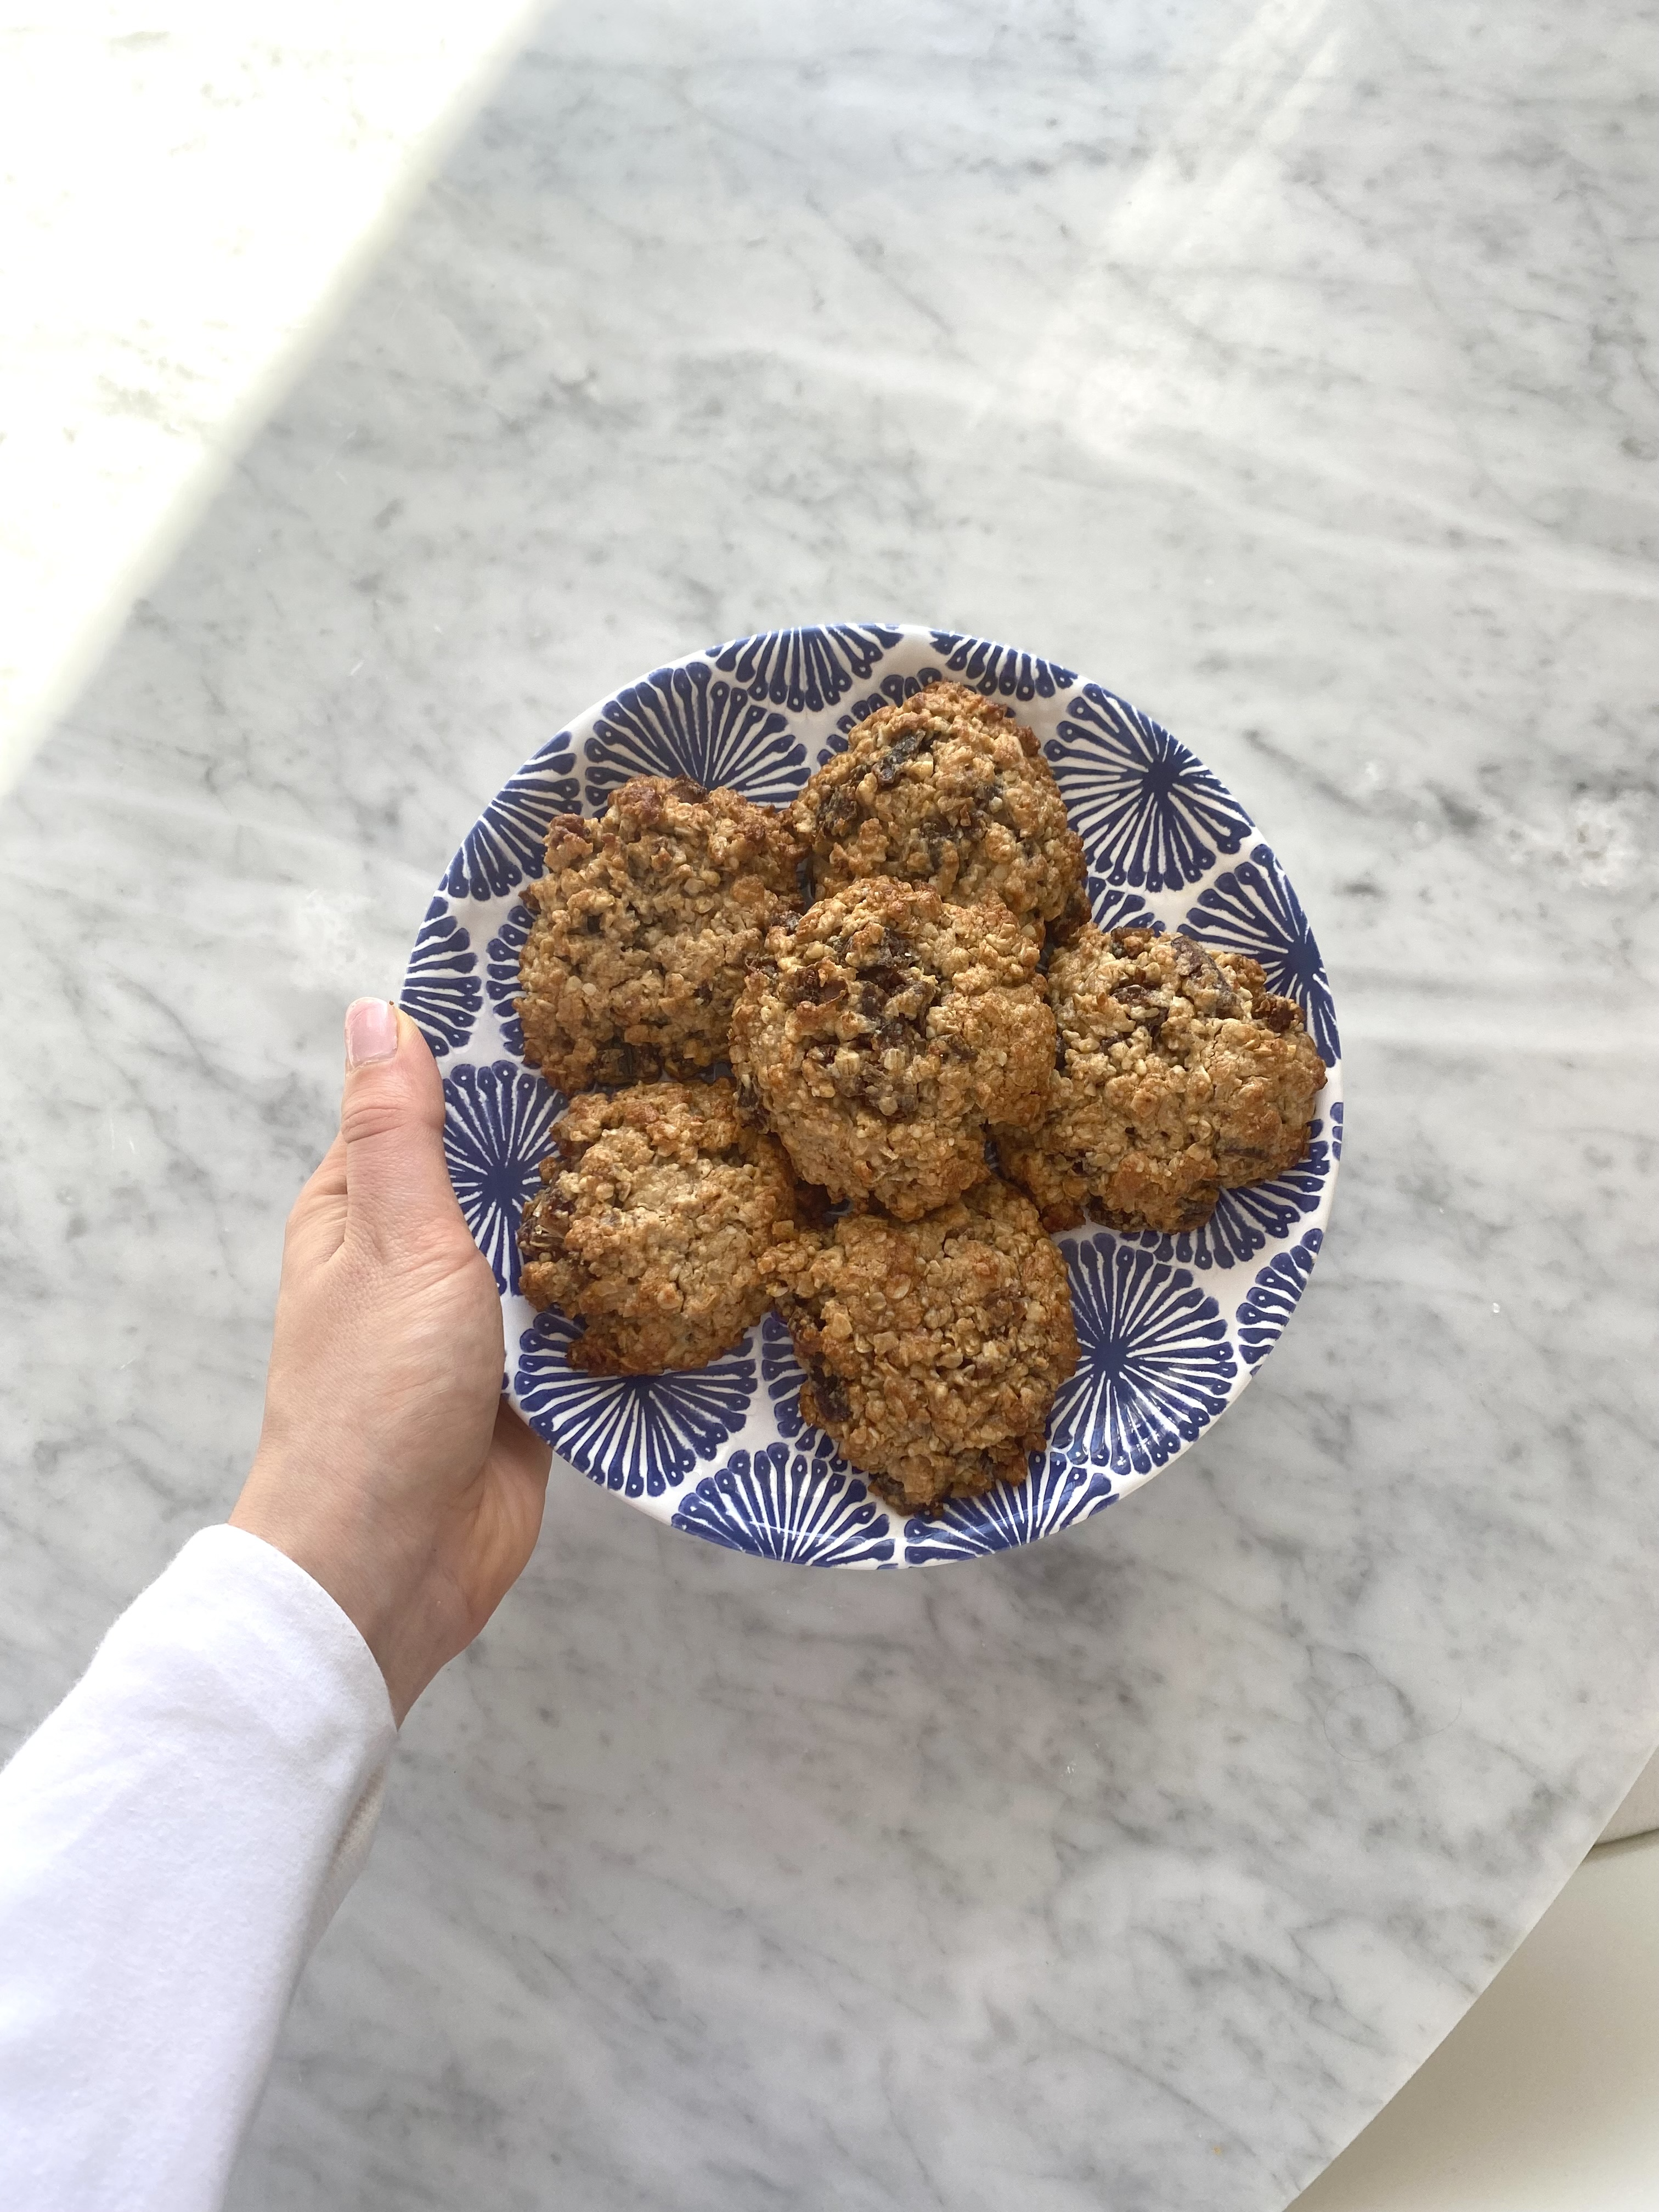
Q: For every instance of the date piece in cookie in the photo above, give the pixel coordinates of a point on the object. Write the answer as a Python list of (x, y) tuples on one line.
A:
[(932, 1349), (652, 1214), (1180, 1075), (881, 1034), (642, 927), (945, 788)]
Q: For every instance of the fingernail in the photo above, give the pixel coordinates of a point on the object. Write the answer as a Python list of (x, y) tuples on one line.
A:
[(371, 1031)]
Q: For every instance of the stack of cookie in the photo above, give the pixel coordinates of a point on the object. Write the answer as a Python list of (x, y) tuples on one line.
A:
[(917, 1015)]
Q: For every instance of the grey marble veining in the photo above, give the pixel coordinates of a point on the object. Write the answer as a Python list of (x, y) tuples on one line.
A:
[(1287, 368)]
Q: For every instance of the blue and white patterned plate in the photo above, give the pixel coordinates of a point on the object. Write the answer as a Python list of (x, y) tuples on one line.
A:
[(1171, 1328)]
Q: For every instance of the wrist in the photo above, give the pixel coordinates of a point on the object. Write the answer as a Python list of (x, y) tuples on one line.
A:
[(372, 1572)]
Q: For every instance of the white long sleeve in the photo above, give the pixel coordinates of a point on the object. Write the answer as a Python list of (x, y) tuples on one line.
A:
[(172, 1839)]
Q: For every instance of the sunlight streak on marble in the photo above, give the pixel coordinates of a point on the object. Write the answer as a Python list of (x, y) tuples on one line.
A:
[(187, 199)]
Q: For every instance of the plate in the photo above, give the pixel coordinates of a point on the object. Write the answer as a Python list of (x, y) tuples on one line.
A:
[(1171, 1328)]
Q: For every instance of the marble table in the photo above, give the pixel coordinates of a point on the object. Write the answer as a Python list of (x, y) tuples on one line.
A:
[(187, 190), (1282, 365)]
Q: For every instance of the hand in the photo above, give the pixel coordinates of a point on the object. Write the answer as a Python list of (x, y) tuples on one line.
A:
[(389, 1465)]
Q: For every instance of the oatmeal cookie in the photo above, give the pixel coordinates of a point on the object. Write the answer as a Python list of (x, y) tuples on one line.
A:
[(932, 1349), (1180, 1075), (642, 927), (654, 1211), (881, 1034), (946, 789)]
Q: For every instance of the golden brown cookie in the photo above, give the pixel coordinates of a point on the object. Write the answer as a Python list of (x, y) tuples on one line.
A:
[(642, 927), (1179, 1075), (932, 1349), (882, 1033), (947, 789), (652, 1214)]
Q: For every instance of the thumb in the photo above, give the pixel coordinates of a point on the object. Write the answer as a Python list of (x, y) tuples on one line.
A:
[(391, 1121)]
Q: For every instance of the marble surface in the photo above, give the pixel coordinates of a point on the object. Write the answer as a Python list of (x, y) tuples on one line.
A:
[(186, 189), (1135, 1870)]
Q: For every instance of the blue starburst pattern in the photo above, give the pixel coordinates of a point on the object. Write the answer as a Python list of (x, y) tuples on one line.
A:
[(804, 670), (505, 844), (1245, 1220), (1156, 1367), (894, 690), (1336, 1130), (1114, 908), (781, 1379), (501, 974), (1149, 812), (788, 1502), (1271, 1299), (441, 992), (1252, 909), (640, 1435), (497, 1125), (689, 721), (1056, 1493), (999, 669)]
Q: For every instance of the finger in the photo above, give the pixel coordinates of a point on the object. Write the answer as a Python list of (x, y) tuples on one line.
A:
[(517, 1446), (392, 1122), (328, 1177), (520, 1463), (317, 1219)]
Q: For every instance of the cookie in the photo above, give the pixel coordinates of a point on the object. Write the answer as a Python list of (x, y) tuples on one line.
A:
[(654, 1211), (881, 1034), (947, 789), (1179, 1075), (932, 1349), (642, 927)]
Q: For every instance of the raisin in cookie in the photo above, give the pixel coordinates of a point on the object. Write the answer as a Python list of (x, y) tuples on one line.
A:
[(932, 1349), (1180, 1076), (945, 788), (881, 1034), (642, 927), (652, 1216)]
